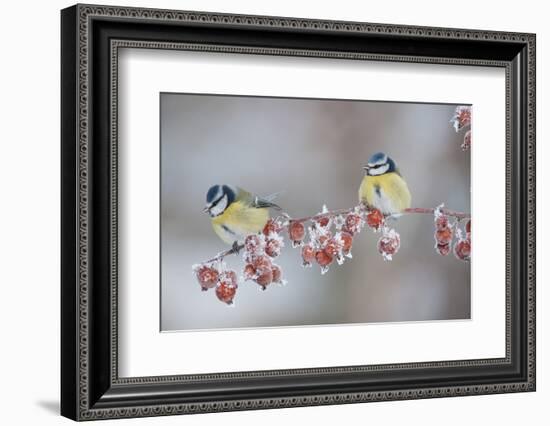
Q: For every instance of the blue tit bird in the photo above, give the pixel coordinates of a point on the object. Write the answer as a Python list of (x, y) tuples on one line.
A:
[(383, 187), (236, 213)]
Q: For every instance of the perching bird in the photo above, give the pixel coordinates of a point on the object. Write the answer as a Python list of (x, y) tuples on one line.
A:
[(383, 187), (237, 213)]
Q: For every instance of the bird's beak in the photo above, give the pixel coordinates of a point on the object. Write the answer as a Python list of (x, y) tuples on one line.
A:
[(366, 168), (206, 208)]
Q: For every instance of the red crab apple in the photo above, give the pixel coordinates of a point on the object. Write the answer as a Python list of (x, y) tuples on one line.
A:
[(207, 276), (375, 219), (296, 232)]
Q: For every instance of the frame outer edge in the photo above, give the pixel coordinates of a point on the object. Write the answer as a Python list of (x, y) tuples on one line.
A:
[(80, 208), (68, 181), (531, 200)]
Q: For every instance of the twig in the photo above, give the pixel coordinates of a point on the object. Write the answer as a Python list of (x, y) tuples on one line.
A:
[(322, 215), (236, 248), (446, 212)]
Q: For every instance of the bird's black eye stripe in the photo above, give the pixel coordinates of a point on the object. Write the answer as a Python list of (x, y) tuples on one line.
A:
[(215, 202)]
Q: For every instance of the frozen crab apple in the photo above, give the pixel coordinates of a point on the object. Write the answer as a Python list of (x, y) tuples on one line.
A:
[(444, 235), (277, 274), (249, 272), (441, 222), (353, 223), (296, 232), (273, 247), (443, 249), (323, 258), (323, 221), (375, 219), (226, 292), (462, 249), (272, 227), (308, 254), (264, 277), (227, 287), (332, 246), (207, 276), (389, 244), (253, 244), (347, 241), (264, 271)]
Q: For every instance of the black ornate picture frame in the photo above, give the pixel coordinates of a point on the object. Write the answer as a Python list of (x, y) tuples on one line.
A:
[(90, 385)]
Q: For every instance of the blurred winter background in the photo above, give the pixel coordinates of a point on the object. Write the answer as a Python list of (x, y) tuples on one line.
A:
[(313, 150)]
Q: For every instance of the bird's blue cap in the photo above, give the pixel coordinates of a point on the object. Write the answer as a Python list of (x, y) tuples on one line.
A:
[(218, 191), (213, 193), (378, 158)]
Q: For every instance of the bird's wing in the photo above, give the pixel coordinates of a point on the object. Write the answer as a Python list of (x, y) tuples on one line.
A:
[(267, 201)]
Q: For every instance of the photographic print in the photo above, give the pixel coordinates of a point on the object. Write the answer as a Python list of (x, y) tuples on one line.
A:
[(306, 185), (301, 212)]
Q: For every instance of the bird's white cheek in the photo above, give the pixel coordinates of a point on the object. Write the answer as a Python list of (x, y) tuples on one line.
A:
[(219, 208), (379, 170)]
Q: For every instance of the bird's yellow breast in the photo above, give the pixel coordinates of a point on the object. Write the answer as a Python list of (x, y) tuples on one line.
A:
[(238, 220), (388, 193)]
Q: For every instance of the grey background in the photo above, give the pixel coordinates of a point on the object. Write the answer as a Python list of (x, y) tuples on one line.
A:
[(313, 150)]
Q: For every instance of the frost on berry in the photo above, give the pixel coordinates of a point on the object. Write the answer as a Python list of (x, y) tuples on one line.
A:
[(253, 245), (228, 276), (272, 227), (462, 117), (339, 222), (438, 211), (324, 259), (341, 247), (389, 243), (441, 222), (467, 143), (332, 246), (296, 233), (323, 220), (443, 249), (227, 286), (249, 272), (226, 293), (375, 219), (462, 248), (264, 273), (276, 274), (308, 254), (273, 245), (443, 235), (264, 277), (206, 275), (347, 241), (262, 262), (353, 223)]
